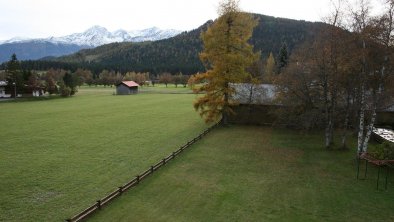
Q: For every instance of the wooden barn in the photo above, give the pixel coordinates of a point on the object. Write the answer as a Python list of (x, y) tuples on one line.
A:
[(127, 88)]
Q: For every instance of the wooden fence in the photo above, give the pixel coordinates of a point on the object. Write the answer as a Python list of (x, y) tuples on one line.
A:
[(134, 182)]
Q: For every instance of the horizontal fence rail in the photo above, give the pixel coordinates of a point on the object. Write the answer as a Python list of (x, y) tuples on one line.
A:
[(137, 179)]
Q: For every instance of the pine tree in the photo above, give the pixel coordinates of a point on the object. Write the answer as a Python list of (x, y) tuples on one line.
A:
[(226, 56), (71, 81), (14, 76), (283, 58)]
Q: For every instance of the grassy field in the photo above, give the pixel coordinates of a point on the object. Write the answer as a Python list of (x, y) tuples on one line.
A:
[(245, 173), (59, 155)]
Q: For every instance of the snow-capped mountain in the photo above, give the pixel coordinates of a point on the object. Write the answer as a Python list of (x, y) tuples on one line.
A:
[(97, 35), (26, 48), (15, 39), (152, 34)]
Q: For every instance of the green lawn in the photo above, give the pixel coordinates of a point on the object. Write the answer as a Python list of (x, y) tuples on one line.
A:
[(245, 173), (57, 156)]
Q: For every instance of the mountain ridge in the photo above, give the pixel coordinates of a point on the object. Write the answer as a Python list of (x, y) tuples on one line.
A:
[(90, 38)]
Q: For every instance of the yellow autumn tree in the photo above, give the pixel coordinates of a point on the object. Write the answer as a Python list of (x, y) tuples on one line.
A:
[(269, 69), (226, 56)]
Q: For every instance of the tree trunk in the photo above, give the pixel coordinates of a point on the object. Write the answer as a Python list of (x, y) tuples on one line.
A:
[(328, 134), (226, 107), (250, 94), (369, 131), (225, 110), (250, 100), (327, 111), (376, 101), (331, 116), (344, 135), (360, 138), (346, 123)]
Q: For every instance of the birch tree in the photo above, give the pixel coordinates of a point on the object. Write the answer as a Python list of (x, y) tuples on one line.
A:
[(376, 38)]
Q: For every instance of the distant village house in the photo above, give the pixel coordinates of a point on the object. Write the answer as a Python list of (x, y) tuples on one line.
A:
[(2, 89)]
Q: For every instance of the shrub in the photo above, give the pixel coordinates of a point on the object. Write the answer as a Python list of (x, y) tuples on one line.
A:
[(384, 151), (65, 91)]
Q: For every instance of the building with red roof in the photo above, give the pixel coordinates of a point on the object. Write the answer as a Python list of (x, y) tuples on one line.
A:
[(127, 88)]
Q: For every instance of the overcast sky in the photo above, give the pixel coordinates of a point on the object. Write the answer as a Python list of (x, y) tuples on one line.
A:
[(44, 18)]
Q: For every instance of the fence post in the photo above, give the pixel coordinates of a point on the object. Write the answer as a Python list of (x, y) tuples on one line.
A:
[(138, 178), (99, 204), (366, 168), (377, 182), (120, 190), (173, 155), (164, 161), (358, 166), (151, 169), (387, 174)]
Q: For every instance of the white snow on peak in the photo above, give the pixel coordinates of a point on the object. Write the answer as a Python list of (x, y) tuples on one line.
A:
[(15, 39), (98, 35)]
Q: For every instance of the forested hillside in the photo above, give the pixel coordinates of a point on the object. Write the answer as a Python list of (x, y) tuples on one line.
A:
[(180, 53), (36, 49)]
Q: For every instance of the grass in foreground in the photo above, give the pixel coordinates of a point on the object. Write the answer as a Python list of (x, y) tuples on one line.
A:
[(58, 156), (244, 173)]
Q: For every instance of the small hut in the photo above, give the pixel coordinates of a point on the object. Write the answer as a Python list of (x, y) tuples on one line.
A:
[(127, 88)]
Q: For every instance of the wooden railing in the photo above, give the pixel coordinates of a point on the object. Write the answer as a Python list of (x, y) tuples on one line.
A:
[(376, 162), (134, 182)]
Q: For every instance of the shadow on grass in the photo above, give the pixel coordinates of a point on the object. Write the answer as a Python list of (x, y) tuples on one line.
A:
[(33, 99)]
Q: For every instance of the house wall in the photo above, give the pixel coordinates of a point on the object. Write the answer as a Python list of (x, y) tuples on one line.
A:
[(385, 119), (133, 90), (254, 114), (2, 91), (266, 115), (122, 90)]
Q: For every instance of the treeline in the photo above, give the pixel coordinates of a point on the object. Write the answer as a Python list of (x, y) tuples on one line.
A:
[(28, 82), (343, 77), (112, 78), (66, 82)]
